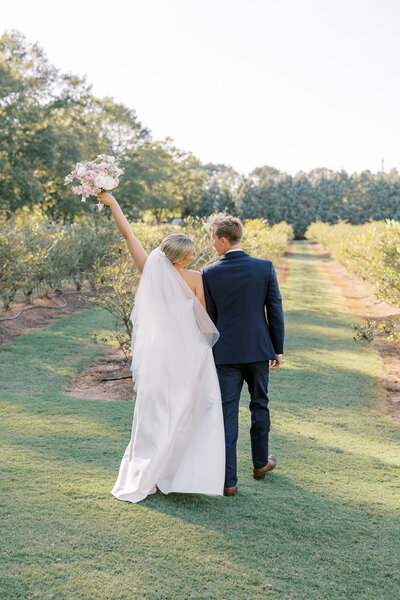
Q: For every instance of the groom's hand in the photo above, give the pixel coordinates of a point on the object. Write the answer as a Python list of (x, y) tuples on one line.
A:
[(275, 364)]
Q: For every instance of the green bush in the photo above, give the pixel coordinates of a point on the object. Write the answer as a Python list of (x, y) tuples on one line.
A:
[(372, 251)]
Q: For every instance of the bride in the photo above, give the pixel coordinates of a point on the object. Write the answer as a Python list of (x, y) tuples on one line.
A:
[(177, 442)]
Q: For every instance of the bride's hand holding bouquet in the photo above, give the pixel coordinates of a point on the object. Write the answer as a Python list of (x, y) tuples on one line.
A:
[(106, 198)]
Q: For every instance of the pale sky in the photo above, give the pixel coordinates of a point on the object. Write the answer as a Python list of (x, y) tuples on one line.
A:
[(294, 84)]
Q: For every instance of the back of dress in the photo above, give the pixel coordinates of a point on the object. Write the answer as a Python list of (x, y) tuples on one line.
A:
[(177, 441)]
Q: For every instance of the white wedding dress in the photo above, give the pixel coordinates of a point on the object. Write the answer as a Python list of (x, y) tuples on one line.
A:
[(177, 441)]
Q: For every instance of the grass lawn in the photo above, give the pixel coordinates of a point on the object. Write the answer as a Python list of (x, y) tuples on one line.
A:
[(323, 525)]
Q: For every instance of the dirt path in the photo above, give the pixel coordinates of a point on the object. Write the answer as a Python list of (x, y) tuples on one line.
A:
[(359, 300), (282, 267)]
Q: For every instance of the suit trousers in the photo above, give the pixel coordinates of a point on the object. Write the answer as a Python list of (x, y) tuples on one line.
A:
[(231, 378)]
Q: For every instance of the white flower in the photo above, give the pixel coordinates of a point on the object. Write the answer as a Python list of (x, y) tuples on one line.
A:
[(106, 158), (81, 172), (100, 181), (109, 182)]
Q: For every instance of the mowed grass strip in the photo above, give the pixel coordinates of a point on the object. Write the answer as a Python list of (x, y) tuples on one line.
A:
[(323, 525)]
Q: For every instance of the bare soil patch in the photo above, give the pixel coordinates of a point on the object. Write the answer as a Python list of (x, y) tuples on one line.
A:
[(40, 317), (360, 301), (88, 384), (282, 267)]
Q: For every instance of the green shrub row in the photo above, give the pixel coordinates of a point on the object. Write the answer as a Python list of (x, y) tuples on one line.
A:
[(38, 256), (371, 250)]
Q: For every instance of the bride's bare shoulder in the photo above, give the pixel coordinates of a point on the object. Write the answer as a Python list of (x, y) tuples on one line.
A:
[(194, 279), (195, 275)]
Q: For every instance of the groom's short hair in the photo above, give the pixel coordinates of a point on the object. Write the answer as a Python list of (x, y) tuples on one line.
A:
[(226, 226)]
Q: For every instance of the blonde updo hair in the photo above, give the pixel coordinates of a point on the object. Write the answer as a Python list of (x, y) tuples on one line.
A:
[(177, 246)]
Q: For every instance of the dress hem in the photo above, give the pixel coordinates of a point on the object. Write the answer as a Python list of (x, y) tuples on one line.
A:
[(177, 491)]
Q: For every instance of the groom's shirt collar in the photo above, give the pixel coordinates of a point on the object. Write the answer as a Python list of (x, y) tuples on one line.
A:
[(231, 254)]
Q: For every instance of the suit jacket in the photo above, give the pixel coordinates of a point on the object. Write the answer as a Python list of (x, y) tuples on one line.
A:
[(245, 304)]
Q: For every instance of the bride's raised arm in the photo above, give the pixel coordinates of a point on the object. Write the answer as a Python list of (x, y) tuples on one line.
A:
[(136, 249)]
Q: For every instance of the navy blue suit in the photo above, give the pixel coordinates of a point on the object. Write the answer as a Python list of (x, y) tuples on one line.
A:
[(244, 301)]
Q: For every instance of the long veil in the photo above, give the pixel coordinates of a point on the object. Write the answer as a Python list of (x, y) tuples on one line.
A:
[(165, 318)]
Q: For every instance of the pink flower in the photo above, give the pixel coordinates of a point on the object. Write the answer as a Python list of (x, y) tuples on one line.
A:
[(91, 175)]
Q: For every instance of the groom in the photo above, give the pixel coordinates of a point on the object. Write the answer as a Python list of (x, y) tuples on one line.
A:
[(244, 301)]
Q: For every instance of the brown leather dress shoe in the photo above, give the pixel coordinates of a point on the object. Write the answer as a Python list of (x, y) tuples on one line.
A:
[(231, 491), (260, 473)]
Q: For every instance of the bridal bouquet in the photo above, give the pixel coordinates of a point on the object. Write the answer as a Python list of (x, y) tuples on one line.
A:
[(95, 176)]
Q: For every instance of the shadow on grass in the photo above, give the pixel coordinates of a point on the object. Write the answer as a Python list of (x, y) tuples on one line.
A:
[(278, 523)]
